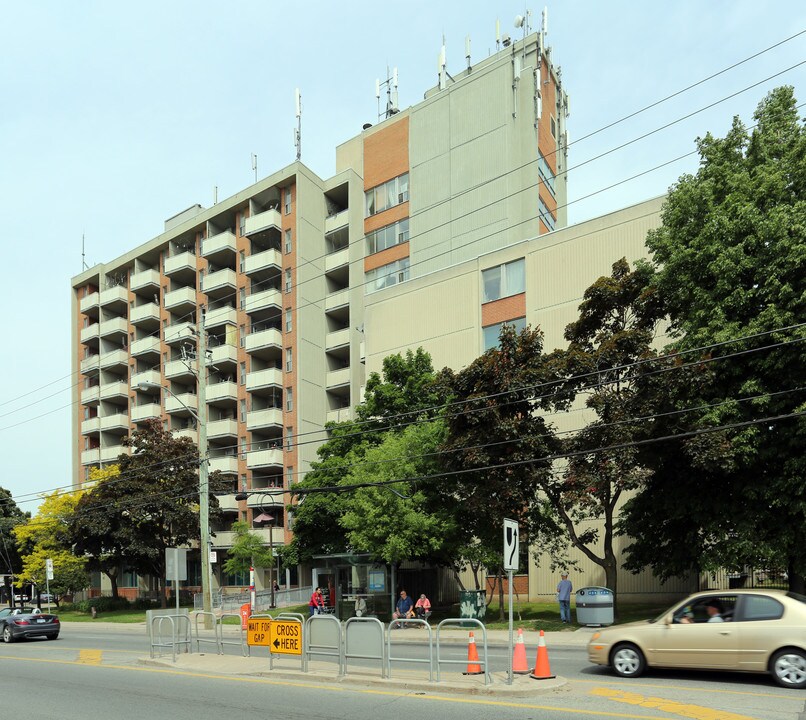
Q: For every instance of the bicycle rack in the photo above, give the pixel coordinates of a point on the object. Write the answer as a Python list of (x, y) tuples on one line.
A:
[(199, 640), (482, 661), (155, 643), (402, 623), (242, 642)]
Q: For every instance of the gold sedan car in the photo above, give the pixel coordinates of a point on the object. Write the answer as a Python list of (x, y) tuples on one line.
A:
[(762, 631)]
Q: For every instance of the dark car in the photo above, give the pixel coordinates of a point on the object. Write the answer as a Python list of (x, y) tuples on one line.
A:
[(16, 623)]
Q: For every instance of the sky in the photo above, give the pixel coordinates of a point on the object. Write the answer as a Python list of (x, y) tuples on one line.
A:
[(114, 117)]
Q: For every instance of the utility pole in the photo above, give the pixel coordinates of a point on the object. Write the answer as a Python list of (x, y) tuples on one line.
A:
[(204, 478)]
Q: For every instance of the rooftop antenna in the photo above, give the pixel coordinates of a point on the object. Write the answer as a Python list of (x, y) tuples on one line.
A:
[(215, 194), (544, 24), (441, 66), (391, 94), (84, 265), (467, 52), (298, 129), (497, 35), (254, 165)]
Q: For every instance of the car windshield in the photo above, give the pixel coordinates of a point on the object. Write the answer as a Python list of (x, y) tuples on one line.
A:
[(5, 612), (797, 596), (664, 614)]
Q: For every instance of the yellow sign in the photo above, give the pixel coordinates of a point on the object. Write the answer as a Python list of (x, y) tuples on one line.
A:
[(258, 631), (285, 637)]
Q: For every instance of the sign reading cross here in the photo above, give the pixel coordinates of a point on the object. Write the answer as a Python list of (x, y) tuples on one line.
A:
[(282, 637)]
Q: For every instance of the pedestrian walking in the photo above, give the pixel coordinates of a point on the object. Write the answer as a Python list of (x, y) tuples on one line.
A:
[(564, 590)]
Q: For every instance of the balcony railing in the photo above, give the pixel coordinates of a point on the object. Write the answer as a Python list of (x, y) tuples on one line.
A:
[(337, 299), (179, 369), (90, 363), (181, 261), (340, 415), (115, 358), (179, 332), (147, 311), (222, 391), (145, 279), (337, 259), (264, 378), (222, 428), (263, 299), (270, 417), (334, 222), (263, 261), (145, 412), (219, 280), (89, 301), (264, 458), (220, 316), (117, 294), (149, 376), (264, 338), (338, 378), (90, 395), (90, 332), (263, 221), (217, 243), (181, 297), (91, 457), (114, 389), (117, 421), (90, 425), (180, 403), (227, 464), (111, 453), (145, 345), (338, 338), (114, 326)]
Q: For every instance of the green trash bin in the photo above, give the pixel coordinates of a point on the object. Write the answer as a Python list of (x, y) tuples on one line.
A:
[(472, 604)]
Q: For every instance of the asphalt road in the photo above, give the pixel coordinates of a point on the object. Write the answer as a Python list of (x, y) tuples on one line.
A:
[(97, 673)]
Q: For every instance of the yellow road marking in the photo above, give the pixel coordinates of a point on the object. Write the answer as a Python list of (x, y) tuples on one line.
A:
[(90, 657), (694, 688), (697, 712)]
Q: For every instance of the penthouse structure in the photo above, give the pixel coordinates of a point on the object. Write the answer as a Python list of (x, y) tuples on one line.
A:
[(278, 275)]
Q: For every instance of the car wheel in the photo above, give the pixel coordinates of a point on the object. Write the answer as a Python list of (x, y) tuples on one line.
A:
[(52, 637), (789, 668), (627, 660), (7, 636)]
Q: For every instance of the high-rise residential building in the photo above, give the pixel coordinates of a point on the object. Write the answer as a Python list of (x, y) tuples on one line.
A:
[(277, 276)]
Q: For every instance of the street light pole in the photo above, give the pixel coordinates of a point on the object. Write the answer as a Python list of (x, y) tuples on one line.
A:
[(204, 478)]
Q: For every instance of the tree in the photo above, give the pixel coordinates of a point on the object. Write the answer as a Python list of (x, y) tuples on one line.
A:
[(96, 532), (614, 333), (405, 392), (154, 500), (46, 535), (247, 551), (730, 255), (496, 442), (10, 517)]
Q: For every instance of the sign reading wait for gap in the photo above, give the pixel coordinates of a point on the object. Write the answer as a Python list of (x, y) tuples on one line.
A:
[(282, 637)]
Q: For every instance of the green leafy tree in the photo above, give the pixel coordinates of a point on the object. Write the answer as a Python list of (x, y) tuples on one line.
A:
[(730, 257), (496, 441), (614, 333), (69, 572), (10, 516), (248, 550)]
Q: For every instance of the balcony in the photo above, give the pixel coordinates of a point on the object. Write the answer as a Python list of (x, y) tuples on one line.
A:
[(144, 412), (145, 280), (111, 453), (227, 503), (179, 332), (219, 283), (222, 428), (146, 345), (337, 378), (91, 332), (337, 339), (217, 392), (224, 354), (340, 415), (181, 403), (270, 535), (225, 315), (266, 260), (188, 433), (270, 417), (183, 298), (264, 378), (115, 358), (117, 295), (114, 390), (90, 425), (264, 458), (114, 326), (89, 302), (264, 339), (227, 464), (215, 245), (148, 313), (337, 300), (183, 262), (89, 364), (264, 299), (178, 369), (118, 421), (149, 376), (334, 222), (91, 457), (337, 259), (270, 219), (90, 395)]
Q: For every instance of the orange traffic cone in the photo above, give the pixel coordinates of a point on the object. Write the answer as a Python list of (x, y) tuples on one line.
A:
[(473, 667), (519, 663), (542, 670)]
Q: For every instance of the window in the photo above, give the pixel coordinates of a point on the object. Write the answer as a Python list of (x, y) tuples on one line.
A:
[(760, 607), (287, 201), (194, 572), (242, 335), (289, 362), (545, 215), (201, 280), (242, 297), (243, 447), (289, 438), (388, 194), (242, 224), (288, 280), (492, 332), (288, 322), (243, 483), (241, 261), (242, 411), (128, 578), (546, 174), (289, 399), (287, 242), (242, 378), (553, 127), (388, 236), (387, 275), (504, 280), (289, 476), (234, 579)]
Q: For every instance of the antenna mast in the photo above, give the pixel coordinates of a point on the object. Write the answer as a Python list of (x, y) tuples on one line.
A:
[(391, 95), (254, 165), (84, 265), (298, 129)]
